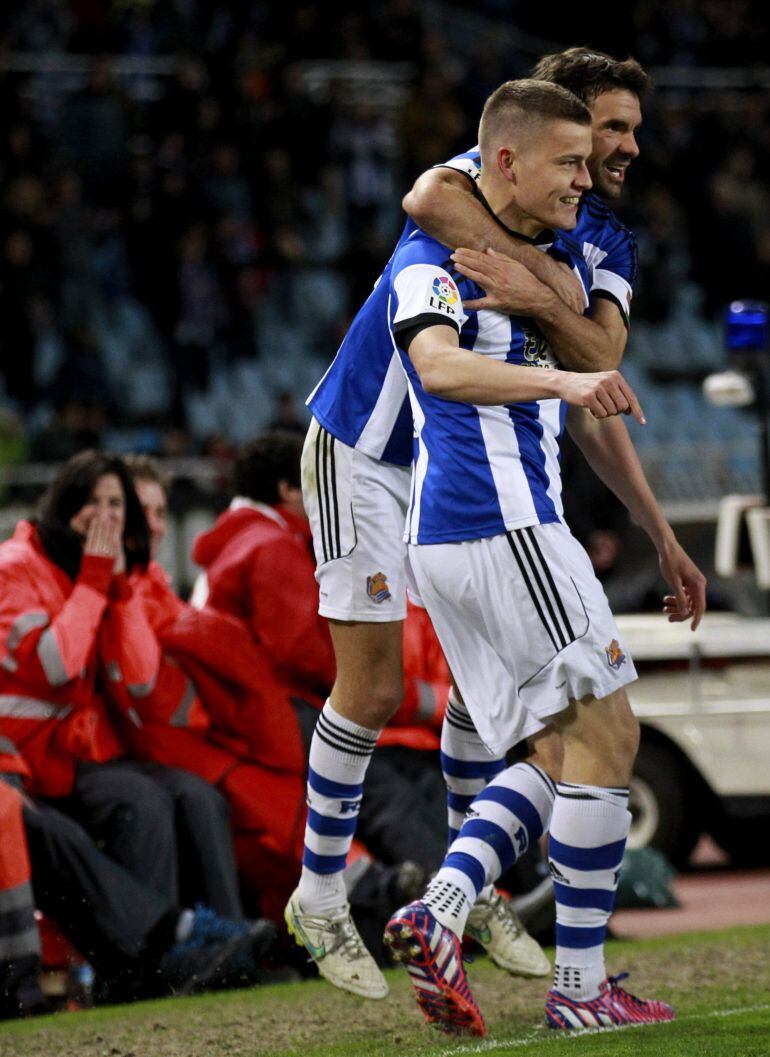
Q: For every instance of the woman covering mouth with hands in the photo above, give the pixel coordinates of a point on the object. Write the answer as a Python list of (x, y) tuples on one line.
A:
[(72, 636)]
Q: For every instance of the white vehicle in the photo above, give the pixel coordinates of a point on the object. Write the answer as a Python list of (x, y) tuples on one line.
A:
[(703, 701)]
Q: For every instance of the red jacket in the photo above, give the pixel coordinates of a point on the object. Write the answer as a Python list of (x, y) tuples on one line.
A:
[(215, 690), (55, 636), (259, 568), (217, 710)]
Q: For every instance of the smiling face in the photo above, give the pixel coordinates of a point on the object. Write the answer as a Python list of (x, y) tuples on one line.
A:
[(107, 495), (152, 497), (615, 117), (550, 175)]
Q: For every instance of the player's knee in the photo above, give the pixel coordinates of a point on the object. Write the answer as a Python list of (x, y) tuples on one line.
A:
[(385, 698), (547, 752), (622, 734), (371, 704)]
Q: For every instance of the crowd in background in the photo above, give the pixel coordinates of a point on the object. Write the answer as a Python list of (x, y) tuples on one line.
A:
[(181, 249)]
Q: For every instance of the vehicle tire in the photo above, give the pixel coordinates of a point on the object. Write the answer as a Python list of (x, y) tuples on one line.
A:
[(663, 806)]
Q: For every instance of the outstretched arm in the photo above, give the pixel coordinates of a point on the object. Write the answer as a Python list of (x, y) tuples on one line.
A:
[(443, 204), (449, 371), (610, 453), (582, 343)]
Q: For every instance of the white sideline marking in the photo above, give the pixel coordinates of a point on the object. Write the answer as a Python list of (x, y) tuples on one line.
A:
[(557, 1036)]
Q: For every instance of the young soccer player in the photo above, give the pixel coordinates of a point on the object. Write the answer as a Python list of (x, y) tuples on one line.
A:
[(522, 619)]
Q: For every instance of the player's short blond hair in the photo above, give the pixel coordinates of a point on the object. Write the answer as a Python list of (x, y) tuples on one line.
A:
[(515, 110)]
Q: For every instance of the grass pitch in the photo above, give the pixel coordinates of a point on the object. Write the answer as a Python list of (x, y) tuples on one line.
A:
[(718, 982)]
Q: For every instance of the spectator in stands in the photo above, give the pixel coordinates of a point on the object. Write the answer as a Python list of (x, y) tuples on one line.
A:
[(71, 629)]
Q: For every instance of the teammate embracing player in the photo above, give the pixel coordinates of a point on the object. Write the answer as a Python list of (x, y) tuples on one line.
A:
[(356, 486)]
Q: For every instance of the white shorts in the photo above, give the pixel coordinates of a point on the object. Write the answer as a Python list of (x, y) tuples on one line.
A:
[(525, 627), (357, 509)]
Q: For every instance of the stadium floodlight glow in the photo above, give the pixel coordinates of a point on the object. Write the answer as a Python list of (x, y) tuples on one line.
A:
[(729, 389)]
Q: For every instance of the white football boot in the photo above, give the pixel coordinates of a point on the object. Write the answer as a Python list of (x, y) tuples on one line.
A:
[(496, 926), (333, 942)]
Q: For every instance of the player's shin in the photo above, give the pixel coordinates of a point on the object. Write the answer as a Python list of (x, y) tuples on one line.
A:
[(588, 834), (466, 762), (506, 818), (339, 756)]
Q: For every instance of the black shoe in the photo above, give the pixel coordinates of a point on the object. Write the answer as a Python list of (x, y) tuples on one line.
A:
[(186, 968)]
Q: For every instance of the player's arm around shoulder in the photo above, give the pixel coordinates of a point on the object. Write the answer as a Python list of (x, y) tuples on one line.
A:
[(443, 203), (594, 342)]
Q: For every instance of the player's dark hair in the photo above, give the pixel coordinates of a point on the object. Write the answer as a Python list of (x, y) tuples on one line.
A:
[(587, 73), (517, 104), (145, 468), (264, 462), (69, 493)]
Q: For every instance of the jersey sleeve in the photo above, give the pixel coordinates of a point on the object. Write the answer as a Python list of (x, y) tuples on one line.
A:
[(615, 274), (469, 164), (426, 295)]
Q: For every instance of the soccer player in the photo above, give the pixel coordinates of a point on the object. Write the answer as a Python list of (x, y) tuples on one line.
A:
[(522, 619), (442, 202), (356, 487)]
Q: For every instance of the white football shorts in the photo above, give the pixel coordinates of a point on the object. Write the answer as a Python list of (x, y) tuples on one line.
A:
[(525, 627), (357, 510)]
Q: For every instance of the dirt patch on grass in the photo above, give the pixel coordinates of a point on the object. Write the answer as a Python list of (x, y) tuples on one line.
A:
[(313, 1018)]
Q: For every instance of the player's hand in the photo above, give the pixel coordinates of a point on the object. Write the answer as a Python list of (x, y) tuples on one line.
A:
[(563, 281), (104, 537), (508, 285), (603, 393), (687, 581)]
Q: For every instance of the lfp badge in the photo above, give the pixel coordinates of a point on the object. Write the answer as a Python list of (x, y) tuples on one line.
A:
[(445, 291)]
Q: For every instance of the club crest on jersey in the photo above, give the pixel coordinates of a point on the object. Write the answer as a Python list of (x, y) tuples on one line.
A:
[(377, 588), (615, 655), (536, 351), (444, 294)]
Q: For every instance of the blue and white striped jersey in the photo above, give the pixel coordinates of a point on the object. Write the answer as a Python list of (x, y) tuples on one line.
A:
[(608, 246), (478, 471), (362, 399)]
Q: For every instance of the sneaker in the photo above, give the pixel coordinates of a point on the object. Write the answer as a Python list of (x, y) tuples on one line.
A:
[(258, 936), (496, 926), (190, 967), (433, 958), (209, 926), (614, 1006), (333, 942)]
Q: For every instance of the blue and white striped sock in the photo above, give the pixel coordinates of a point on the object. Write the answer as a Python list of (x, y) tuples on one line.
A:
[(340, 752), (505, 819), (585, 848), (466, 762)]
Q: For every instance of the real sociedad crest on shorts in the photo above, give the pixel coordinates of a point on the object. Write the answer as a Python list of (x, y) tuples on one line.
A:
[(377, 588), (615, 655)]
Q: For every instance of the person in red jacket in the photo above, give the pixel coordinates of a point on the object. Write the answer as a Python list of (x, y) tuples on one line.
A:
[(20, 992), (71, 626), (139, 945), (222, 709), (258, 565)]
